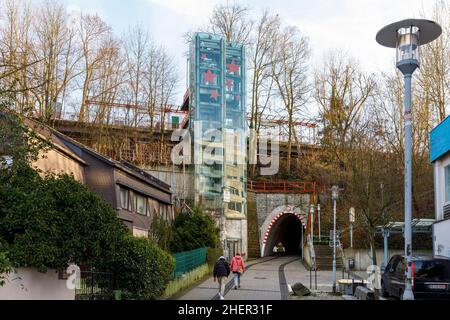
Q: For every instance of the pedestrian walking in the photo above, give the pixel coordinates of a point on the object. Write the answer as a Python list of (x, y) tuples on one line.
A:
[(221, 272), (238, 268), (280, 249)]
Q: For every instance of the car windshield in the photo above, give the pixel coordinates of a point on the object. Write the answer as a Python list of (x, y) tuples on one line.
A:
[(431, 270)]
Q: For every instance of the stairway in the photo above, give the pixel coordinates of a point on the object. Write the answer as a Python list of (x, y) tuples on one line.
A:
[(252, 227), (324, 257)]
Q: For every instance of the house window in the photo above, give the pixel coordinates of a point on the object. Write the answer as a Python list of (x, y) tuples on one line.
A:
[(125, 199), (447, 183), (141, 204), (234, 191), (236, 206)]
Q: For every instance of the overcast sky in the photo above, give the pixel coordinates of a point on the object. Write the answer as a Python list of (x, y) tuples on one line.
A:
[(347, 25)]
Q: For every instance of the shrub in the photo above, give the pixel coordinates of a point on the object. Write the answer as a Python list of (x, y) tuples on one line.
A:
[(142, 269), (212, 255), (50, 222), (160, 231), (5, 267), (192, 230)]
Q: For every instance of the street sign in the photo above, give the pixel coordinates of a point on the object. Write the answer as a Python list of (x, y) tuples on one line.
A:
[(352, 215)]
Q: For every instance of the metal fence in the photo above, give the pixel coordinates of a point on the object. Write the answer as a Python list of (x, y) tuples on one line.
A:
[(189, 260), (95, 285)]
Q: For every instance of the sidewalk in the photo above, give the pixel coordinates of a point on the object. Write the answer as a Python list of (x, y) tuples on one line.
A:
[(259, 282), (267, 279)]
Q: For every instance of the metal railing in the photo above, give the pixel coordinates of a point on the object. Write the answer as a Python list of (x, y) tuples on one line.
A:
[(283, 186), (188, 260), (95, 285)]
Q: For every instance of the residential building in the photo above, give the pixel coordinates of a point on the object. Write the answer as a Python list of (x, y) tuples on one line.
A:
[(135, 194), (440, 157)]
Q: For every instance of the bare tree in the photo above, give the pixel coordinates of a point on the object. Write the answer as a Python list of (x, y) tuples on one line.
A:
[(17, 54), (92, 34), (434, 77), (289, 71), (55, 46), (341, 91), (232, 22)]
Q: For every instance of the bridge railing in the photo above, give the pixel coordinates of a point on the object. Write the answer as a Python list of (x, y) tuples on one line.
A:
[(284, 187)]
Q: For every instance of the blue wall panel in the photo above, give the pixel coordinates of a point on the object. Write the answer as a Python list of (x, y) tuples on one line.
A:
[(440, 140)]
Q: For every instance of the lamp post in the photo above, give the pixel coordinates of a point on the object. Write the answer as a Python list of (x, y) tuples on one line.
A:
[(318, 217), (351, 217), (312, 222), (334, 195), (407, 36)]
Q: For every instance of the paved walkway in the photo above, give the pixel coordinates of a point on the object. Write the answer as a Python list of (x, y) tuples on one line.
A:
[(266, 279)]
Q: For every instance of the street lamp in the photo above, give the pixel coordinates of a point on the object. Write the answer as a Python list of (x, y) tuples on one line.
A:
[(407, 36), (312, 222), (334, 195), (318, 217), (351, 217)]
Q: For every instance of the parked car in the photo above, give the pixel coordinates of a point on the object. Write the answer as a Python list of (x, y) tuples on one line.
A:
[(430, 277)]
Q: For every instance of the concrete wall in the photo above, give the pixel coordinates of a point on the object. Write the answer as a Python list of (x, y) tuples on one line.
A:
[(29, 284), (268, 205), (363, 261), (267, 202)]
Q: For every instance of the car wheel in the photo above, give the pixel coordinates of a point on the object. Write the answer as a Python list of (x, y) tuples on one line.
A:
[(384, 292)]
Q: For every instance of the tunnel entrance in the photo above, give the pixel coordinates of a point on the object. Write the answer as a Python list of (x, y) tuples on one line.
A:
[(289, 231)]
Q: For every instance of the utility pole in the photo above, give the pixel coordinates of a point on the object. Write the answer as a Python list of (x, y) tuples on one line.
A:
[(335, 194)]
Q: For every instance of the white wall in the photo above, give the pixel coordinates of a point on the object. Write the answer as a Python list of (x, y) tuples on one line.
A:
[(29, 284), (442, 238), (439, 185)]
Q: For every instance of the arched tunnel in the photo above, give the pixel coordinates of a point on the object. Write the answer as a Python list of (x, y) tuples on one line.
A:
[(288, 230)]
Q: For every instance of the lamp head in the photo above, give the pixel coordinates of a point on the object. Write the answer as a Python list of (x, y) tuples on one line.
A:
[(352, 215), (335, 192), (406, 37)]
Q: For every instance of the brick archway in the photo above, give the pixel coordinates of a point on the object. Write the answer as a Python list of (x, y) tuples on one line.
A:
[(277, 214)]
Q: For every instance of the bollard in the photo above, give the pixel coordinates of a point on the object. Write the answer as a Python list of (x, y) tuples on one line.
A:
[(315, 277)]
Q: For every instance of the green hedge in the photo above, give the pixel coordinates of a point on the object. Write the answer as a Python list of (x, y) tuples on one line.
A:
[(192, 230), (142, 269)]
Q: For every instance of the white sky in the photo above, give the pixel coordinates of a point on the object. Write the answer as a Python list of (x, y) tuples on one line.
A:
[(346, 25)]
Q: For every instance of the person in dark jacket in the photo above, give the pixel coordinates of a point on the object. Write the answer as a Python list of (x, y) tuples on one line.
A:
[(221, 272)]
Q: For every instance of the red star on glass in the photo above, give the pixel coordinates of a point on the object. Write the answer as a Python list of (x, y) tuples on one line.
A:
[(233, 67), (203, 56), (214, 94), (209, 77), (238, 98), (229, 84)]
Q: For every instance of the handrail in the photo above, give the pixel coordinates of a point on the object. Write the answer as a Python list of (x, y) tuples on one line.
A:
[(284, 186)]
